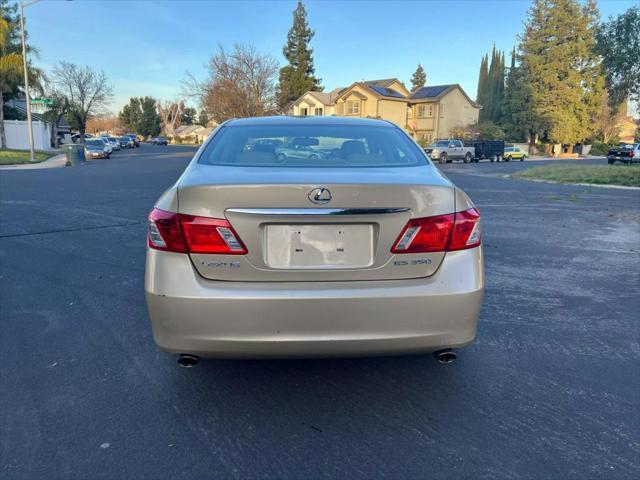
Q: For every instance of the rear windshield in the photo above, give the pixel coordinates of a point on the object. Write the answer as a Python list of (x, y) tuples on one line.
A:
[(311, 146)]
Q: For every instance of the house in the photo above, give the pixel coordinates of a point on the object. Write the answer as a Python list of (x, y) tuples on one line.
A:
[(192, 133), (427, 113), (435, 110), (627, 128), (315, 103)]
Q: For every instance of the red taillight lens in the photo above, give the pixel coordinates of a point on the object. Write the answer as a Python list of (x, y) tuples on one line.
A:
[(164, 232), (467, 232), (210, 235), (430, 234), (441, 233), (176, 232)]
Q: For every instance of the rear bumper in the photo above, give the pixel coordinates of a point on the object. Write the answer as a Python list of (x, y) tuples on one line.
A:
[(306, 319)]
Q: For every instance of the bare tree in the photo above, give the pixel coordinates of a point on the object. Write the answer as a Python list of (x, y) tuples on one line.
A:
[(241, 83), (86, 91), (170, 115)]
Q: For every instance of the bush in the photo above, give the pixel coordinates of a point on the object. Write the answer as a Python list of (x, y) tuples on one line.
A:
[(599, 148)]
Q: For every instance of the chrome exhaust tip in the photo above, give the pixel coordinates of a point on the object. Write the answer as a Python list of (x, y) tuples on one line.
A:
[(446, 356), (187, 361)]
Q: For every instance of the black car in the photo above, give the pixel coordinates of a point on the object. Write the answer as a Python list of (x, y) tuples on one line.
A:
[(134, 137)]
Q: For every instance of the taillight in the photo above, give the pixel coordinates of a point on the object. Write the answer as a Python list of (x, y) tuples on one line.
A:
[(177, 232), (455, 231)]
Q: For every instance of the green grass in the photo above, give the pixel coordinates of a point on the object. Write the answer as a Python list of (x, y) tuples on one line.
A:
[(627, 175), (13, 157)]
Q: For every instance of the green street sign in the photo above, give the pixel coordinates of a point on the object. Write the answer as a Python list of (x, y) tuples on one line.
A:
[(42, 101)]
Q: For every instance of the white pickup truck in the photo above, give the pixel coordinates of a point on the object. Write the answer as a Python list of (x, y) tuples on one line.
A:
[(445, 151)]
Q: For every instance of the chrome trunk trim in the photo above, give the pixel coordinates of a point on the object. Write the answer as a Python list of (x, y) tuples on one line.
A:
[(316, 211)]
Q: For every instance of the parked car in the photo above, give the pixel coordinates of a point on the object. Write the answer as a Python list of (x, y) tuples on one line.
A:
[(626, 153), (160, 141), (111, 141), (492, 150), (96, 148), (126, 142), (514, 153), (133, 136), (298, 148), (76, 136), (261, 258), (445, 151)]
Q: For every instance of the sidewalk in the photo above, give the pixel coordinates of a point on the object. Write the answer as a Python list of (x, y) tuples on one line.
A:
[(54, 162)]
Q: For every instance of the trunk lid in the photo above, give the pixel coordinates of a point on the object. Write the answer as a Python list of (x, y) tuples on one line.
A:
[(346, 235)]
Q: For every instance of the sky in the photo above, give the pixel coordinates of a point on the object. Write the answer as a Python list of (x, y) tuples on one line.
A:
[(146, 47)]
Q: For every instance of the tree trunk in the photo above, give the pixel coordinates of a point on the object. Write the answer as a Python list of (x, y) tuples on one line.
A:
[(3, 137)]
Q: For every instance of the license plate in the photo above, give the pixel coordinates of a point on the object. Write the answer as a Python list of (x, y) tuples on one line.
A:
[(319, 246)]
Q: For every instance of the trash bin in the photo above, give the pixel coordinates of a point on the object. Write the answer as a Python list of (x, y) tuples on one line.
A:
[(75, 154)]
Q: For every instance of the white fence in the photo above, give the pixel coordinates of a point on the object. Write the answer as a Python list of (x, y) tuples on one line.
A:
[(17, 133)]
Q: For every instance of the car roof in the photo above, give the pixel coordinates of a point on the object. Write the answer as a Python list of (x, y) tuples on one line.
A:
[(308, 120)]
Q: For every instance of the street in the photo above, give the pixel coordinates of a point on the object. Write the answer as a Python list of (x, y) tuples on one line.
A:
[(549, 390)]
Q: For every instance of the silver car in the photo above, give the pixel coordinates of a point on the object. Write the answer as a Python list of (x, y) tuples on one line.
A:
[(368, 251)]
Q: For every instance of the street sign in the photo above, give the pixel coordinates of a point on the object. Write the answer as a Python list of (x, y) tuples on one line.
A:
[(42, 101)]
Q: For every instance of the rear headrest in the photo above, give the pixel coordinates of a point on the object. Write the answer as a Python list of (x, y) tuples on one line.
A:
[(352, 147)]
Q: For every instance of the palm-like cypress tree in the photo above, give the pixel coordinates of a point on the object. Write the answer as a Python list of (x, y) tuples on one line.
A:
[(299, 75), (483, 79)]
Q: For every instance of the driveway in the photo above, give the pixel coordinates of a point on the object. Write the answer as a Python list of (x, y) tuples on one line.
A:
[(548, 390)]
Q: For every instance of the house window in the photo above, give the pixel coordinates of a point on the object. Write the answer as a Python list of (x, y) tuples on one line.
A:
[(409, 112), (425, 137), (353, 107), (425, 110), (303, 111), (318, 111)]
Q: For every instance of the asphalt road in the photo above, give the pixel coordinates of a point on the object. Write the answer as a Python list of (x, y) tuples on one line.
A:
[(550, 389)]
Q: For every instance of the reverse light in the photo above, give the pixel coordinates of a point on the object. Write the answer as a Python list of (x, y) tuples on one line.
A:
[(454, 231), (177, 232)]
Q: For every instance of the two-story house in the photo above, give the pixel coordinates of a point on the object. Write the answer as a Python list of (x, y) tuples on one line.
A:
[(434, 111), (315, 103), (427, 113)]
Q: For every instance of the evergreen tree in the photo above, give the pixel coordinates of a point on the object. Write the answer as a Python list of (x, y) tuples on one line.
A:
[(203, 118), (141, 116), (491, 87), (419, 78), (298, 76), (558, 77), (483, 79), (618, 41), (188, 116)]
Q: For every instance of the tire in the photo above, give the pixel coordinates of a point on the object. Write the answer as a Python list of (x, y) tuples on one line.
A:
[(281, 157), (493, 158), (467, 158), (507, 159), (523, 158), (443, 158), (610, 161), (498, 158), (313, 158)]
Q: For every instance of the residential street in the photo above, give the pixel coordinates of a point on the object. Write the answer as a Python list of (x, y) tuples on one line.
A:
[(549, 390)]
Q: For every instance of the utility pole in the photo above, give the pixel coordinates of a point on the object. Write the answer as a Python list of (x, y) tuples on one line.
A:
[(26, 82)]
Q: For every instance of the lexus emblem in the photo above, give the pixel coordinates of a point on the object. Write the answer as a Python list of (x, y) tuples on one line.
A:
[(320, 195)]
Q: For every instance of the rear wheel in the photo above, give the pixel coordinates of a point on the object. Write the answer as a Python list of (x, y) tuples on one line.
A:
[(443, 158), (493, 158), (313, 158), (467, 157), (507, 159), (281, 157), (610, 161)]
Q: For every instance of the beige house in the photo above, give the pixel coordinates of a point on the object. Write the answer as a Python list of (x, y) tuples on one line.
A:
[(434, 111), (427, 114), (315, 103)]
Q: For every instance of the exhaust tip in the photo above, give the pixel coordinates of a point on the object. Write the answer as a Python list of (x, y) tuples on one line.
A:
[(187, 361), (446, 356)]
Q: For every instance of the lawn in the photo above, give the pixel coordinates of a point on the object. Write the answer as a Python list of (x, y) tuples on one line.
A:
[(627, 175), (12, 157)]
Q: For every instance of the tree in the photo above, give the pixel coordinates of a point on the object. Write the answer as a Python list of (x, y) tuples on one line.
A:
[(554, 88), (618, 42), (483, 81), (607, 119), (103, 123), (55, 112), (419, 78), (141, 116), (298, 76), (188, 116), (203, 118), (239, 84), (86, 92), (491, 87), (170, 115)]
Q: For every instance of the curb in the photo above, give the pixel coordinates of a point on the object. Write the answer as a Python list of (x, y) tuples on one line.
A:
[(597, 185)]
